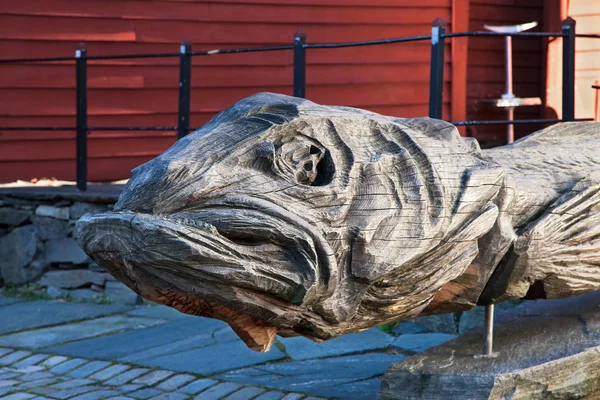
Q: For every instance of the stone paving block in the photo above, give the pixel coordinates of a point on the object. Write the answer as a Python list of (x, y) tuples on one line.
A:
[(300, 348), (29, 370), (129, 388), (18, 396), (161, 312), (68, 393), (37, 314), (365, 389), (41, 398), (7, 301), (423, 341), (14, 356), (293, 396), (81, 330), (245, 393), (170, 348), (28, 377), (9, 375), (38, 383), (406, 327), (109, 372), (145, 393), (197, 386), (53, 361), (7, 389), (67, 366), (218, 391), (33, 360), (88, 369), (175, 382), (126, 376), (97, 395), (72, 383), (4, 351), (152, 378), (308, 375), (120, 398), (8, 382), (271, 396), (119, 345), (223, 357), (43, 391), (170, 396)]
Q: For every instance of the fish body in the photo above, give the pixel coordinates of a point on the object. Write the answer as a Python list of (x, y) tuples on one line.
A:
[(284, 216)]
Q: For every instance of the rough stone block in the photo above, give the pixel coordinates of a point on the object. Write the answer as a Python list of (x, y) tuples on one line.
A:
[(50, 228), (53, 212), (71, 279), (64, 251), (551, 356), (56, 292), (83, 295), (12, 217), (18, 252), (78, 209), (120, 293)]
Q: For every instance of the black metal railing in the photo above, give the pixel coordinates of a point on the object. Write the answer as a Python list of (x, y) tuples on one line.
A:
[(437, 38)]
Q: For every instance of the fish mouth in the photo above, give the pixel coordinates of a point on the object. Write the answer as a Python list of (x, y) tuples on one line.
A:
[(235, 242)]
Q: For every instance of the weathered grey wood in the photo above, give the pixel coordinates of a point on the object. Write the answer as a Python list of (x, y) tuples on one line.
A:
[(281, 215)]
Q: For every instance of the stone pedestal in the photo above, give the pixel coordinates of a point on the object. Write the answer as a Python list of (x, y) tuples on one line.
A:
[(545, 350)]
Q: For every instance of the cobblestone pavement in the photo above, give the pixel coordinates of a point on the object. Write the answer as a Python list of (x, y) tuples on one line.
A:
[(63, 350)]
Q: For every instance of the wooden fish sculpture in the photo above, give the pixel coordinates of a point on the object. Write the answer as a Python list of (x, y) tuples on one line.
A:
[(282, 216)]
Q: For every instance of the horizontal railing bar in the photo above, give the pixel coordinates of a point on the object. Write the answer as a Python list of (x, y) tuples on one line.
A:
[(240, 50), (92, 128), (518, 122), (504, 34), (366, 43), (588, 35)]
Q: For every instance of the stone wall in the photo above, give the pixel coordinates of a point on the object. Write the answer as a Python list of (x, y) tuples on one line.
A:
[(37, 247)]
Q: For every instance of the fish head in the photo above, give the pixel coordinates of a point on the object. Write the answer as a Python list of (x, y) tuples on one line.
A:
[(280, 214)]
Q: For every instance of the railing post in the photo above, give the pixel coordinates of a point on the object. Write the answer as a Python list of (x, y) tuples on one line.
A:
[(299, 64), (81, 116), (436, 77), (185, 78), (568, 83)]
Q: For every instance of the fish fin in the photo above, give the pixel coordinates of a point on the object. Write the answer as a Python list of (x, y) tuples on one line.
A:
[(557, 255)]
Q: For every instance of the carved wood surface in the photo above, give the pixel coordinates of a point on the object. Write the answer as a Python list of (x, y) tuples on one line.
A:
[(284, 216)]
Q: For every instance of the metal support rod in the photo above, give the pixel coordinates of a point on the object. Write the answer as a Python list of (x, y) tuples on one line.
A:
[(436, 77), (568, 73), (489, 330), (81, 117), (185, 82), (510, 129), (300, 64)]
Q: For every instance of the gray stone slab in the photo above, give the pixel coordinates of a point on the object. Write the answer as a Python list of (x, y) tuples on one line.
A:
[(422, 341), (170, 396), (177, 346), (126, 377), (271, 396), (38, 383), (197, 386), (222, 356), (308, 375), (27, 377), (64, 250), (543, 353), (7, 301), (293, 396), (152, 378), (129, 388), (37, 314), (67, 366), (145, 393), (365, 389), (18, 396), (245, 393), (218, 391), (406, 327), (71, 392), (32, 360), (109, 372), (119, 345), (14, 357), (175, 382), (81, 330), (72, 383), (161, 312), (97, 395), (300, 348), (54, 360), (88, 369), (8, 382), (4, 351)]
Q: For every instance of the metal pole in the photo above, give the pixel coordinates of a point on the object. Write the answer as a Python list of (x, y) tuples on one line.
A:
[(510, 128), (489, 330), (299, 64), (185, 82), (81, 117), (568, 89), (436, 77)]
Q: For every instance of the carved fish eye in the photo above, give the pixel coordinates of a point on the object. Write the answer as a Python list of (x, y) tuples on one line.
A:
[(304, 159)]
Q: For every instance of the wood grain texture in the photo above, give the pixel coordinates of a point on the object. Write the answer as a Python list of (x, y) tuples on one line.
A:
[(284, 215)]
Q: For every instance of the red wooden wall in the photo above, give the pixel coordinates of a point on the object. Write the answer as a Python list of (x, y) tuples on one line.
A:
[(486, 66), (390, 79)]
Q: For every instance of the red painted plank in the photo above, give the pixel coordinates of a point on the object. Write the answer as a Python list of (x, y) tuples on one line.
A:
[(223, 12)]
